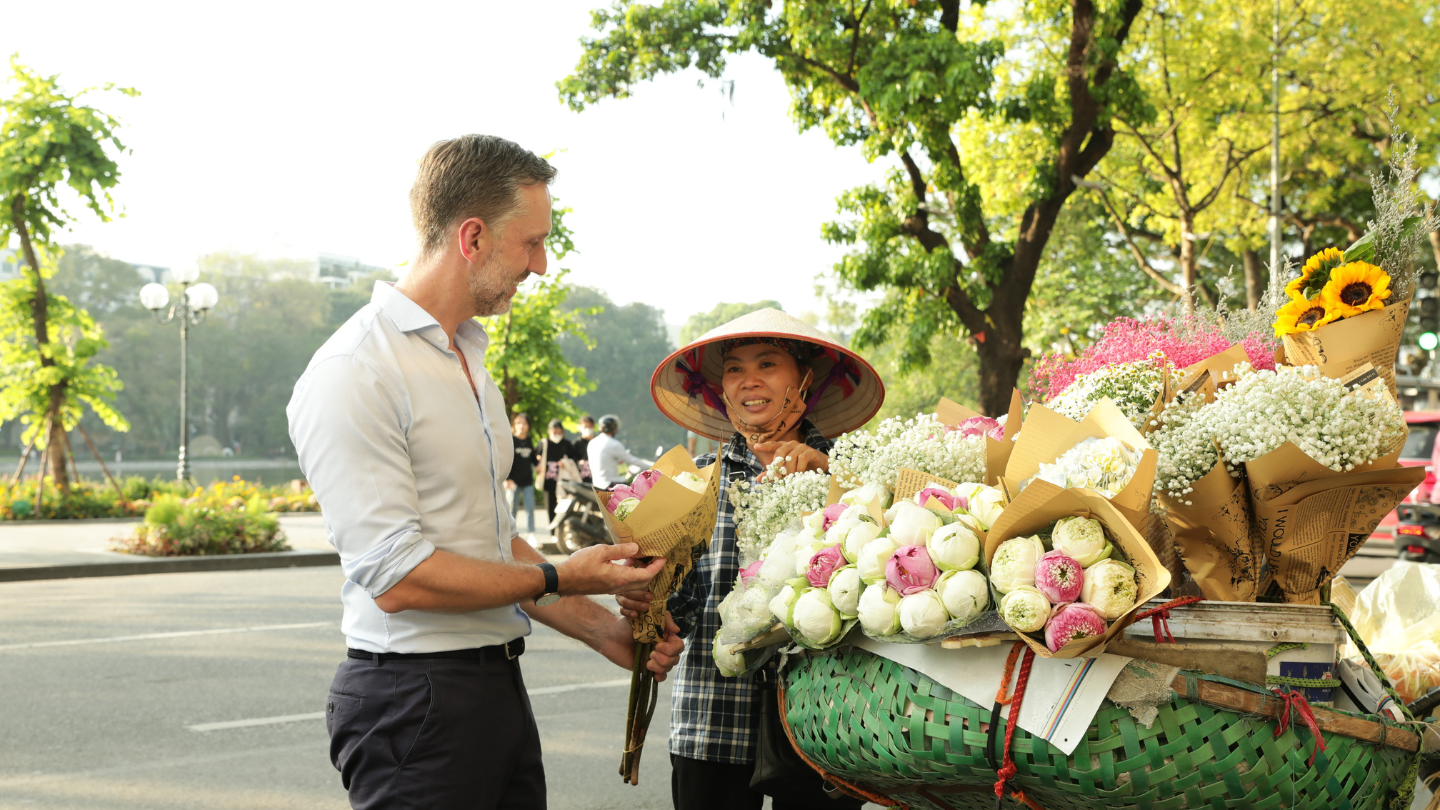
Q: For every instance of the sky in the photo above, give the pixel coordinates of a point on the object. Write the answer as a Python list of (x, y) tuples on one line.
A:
[(290, 128)]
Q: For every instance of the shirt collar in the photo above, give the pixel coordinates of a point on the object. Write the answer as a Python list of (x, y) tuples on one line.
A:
[(409, 316)]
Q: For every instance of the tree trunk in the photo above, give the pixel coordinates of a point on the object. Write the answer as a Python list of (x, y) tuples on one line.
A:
[(1002, 359), (39, 310), (1189, 262), (1254, 278)]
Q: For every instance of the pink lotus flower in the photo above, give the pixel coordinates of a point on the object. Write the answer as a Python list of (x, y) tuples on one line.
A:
[(1070, 622), (832, 513), (1059, 577), (823, 564), (750, 572), (981, 426), (644, 481), (620, 493), (950, 501), (910, 570)]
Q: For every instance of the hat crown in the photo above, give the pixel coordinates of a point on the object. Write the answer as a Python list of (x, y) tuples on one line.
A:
[(767, 321)]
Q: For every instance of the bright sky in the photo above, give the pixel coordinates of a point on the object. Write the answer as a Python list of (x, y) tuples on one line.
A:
[(287, 128)]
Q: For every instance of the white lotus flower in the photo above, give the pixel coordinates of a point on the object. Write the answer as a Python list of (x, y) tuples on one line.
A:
[(913, 524), (1110, 588), (690, 481), (730, 665), (856, 538), (864, 496), (814, 618), (954, 548), (878, 610), (780, 605), (969, 489), (987, 505), (814, 521), (966, 593), (873, 557), (845, 588), (1081, 539), (923, 614), (1025, 609), (745, 613), (779, 564), (1013, 565), (625, 507), (970, 522)]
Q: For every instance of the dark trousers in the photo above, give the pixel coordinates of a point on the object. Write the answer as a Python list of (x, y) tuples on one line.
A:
[(699, 785), (434, 734), (550, 500)]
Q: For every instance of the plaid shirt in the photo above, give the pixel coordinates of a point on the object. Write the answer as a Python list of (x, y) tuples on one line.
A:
[(713, 718)]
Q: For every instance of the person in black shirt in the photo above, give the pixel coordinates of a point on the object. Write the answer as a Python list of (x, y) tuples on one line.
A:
[(581, 447), (555, 449), (522, 472)]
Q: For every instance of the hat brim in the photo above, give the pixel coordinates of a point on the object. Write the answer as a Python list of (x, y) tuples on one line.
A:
[(844, 404)]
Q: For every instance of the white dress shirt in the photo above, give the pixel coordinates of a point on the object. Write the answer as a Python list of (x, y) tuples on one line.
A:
[(404, 459), (606, 455)]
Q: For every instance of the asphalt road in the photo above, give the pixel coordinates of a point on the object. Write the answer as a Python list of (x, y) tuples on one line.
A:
[(96, 701)]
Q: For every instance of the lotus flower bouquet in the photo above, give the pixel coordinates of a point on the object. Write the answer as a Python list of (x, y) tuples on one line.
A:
[(626, 497)]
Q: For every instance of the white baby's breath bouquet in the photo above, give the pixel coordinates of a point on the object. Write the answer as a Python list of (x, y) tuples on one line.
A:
[(766, 508), (921, 443), (1134, 387)]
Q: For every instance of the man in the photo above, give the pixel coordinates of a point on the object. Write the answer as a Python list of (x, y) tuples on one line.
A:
[(607, 454), (581, 446), (404, 437)]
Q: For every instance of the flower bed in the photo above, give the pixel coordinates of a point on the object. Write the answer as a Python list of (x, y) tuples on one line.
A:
[(97, 499), (204, 524)]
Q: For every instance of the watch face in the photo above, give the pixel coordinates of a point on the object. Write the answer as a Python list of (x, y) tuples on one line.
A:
[(547, 600)]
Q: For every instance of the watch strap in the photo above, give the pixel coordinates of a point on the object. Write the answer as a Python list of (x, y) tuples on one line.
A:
[(552, 578)]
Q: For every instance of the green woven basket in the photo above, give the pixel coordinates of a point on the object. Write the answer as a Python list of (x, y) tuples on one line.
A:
[(890, 729)]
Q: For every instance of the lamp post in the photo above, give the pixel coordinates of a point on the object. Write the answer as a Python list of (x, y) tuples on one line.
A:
[(194, 304)]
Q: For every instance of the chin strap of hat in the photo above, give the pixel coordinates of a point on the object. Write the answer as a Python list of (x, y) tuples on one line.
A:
[(844, 373)]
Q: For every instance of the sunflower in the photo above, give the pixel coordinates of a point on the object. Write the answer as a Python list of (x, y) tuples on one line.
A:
[(1355, 288), (1302, 316), (1314, 274)]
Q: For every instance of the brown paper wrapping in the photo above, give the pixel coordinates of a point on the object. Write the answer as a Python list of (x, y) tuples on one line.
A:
[(1212, 535), (1340, 347), (1151, 576), (671, 522), (997, 452)]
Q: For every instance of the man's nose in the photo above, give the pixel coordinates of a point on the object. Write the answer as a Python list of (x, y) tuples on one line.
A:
[(538, 262)]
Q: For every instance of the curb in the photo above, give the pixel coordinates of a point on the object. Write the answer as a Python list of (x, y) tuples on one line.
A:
[(68, 521), (173, 565)]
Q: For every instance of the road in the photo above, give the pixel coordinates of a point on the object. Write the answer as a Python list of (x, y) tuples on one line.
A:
[(103, 679)]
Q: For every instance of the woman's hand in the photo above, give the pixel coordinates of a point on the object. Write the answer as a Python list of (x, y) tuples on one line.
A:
[(796, 456)]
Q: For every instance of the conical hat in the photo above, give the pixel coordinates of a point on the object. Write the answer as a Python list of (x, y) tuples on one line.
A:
[(845, 394)]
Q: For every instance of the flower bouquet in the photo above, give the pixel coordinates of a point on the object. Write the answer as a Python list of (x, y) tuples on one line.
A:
[(669, 511), (1069, 572), (999, 433)]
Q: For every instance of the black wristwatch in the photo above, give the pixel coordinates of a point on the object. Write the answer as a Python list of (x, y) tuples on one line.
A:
[(551, 594)]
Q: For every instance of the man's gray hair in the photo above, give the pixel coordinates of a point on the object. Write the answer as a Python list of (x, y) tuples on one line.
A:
[(471, 176)]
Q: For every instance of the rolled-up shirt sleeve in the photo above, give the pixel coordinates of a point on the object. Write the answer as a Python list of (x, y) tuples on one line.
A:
[(349, 428)]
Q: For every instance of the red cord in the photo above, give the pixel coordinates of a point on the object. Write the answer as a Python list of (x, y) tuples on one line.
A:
[(1160, 617), (1302, 708), (1008, 767), (1009, 671)]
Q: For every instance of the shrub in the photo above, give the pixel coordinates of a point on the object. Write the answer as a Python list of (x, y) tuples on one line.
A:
[(97, 499), (198, 526)]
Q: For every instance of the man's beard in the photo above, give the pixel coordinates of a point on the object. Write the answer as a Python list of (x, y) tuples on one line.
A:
[(490, 286)]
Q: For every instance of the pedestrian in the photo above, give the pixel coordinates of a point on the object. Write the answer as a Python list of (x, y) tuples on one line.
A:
[(581, 447), (521, 481), (770, 387), (607, 454), (554, 451), (403, 436)]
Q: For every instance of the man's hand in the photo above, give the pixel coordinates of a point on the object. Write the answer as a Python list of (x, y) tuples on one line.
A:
[(633, 603), (593, 570), (797, 457), (619, 647)]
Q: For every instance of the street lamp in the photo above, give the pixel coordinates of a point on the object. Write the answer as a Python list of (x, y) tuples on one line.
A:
[(194, 304)]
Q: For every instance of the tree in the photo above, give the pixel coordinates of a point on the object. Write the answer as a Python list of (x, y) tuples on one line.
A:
[(702, 322), (625, 345), (49, 139), (936, 86), (524, 357)]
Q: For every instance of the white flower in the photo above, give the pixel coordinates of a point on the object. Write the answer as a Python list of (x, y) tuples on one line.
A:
[(730, 665), (779, 564), (845, 588), (814, 618), (913, 524), (864, 496), (1025, 609), (986, 506), (744, 612), (1110, 588), (922, 614), (1132, 386), (878, 614), (1081, 539), (1102, 465), (690, 481), (625, 507), (872, 559), (922, 443), (1013, 565), (954, 548), (780, 605), (965, 593), (814, 521), (969, 489), (857, 537), (766, 508)]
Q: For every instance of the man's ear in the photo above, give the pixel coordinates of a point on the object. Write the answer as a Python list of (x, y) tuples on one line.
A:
[(474, 237)]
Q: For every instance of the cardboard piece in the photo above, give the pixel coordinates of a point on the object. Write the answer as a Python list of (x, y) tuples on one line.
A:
[(997, 453), (909, 482), (1212, 535), (1340, 347), (1151, 577), (673, 522)]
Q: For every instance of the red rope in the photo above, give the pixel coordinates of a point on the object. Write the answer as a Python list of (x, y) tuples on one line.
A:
[(1302, 708), (1008, 767), (1009, 671), (1160, 617)]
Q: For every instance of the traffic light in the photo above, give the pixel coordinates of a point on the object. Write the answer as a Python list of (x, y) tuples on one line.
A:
[(1429, 319)]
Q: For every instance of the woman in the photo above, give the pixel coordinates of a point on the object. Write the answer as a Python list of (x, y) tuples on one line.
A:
[(522, 473), (769, 386), (554, 450)]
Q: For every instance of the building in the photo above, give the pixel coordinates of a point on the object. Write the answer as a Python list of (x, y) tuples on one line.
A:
[(10, 264), (334, 270)]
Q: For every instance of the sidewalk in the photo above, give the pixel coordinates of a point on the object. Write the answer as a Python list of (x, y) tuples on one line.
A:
[(67, 549)]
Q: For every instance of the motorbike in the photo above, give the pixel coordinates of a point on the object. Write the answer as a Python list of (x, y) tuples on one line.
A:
[(578, 523), (1417, 535)]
